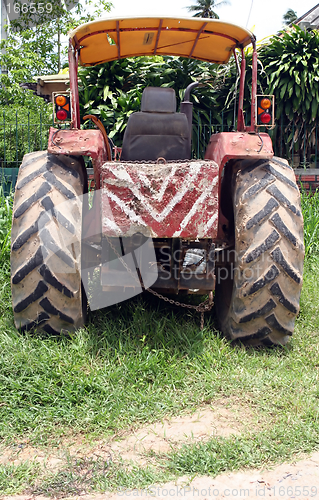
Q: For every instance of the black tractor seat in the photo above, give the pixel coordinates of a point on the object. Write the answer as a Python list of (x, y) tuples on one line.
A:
[(157, 130)]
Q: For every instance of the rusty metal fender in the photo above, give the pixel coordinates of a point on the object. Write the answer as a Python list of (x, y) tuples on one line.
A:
[(80, 143), (227, 146)]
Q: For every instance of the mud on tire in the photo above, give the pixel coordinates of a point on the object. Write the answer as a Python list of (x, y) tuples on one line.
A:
[(259, 300), (46, 244)]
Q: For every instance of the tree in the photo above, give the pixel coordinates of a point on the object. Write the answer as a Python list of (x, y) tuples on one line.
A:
[(40, 41), (289, 17), (291, 60), (112, 91), (204, 8), (44, 31)]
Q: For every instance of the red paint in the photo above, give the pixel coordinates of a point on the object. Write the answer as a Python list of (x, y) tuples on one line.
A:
[(79, 143), (253, 89), (241, 121), (236, 145), (140, 207), (73, 69)]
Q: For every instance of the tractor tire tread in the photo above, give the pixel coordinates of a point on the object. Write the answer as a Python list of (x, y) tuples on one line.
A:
[(265, 290), (46, 244)]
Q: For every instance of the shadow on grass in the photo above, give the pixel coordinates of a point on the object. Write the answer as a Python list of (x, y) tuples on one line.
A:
[(146, 320)]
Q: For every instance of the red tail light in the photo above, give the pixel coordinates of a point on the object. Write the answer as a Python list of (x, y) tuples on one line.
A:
[(62, 107), (265, 109)]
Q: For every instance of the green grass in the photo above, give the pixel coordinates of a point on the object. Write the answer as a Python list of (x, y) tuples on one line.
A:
[(142, 360), (87, 474), (15, 478), (310, 209), (217, 455)]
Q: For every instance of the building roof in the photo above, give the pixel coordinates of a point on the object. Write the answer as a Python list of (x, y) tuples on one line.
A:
[(59, 78), (45, 85), (310, 19)]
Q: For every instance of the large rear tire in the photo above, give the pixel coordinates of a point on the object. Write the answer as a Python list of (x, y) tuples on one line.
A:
[(46, 244), (258, 292)]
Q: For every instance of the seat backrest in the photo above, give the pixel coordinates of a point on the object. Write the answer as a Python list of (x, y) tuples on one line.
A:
[(158, 100), (157, 130)]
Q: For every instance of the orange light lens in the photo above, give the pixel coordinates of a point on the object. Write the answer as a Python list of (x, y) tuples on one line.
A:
[(265, 103), (60, 100)]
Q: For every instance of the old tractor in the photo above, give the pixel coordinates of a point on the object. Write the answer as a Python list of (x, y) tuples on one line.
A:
[(228, 227)]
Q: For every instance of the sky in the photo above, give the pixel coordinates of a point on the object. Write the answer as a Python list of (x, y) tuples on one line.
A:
[(265, 17)]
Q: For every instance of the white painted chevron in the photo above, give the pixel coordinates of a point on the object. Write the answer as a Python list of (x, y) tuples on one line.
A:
[(136, 194), (195, 208), (159, 217)]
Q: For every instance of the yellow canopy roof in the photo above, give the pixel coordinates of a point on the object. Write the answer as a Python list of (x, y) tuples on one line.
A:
[(206, 39)]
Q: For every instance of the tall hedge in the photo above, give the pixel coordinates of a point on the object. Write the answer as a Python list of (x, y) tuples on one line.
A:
[(291, 60), (113, 90), (288, 67)]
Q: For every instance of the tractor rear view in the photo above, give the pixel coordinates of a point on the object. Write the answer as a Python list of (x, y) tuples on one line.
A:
[(229, 226)]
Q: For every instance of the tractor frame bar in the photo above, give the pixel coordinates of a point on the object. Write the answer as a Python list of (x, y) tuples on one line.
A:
[(73, 54)]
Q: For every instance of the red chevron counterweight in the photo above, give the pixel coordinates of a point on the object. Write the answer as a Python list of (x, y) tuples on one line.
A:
[(164, 201)]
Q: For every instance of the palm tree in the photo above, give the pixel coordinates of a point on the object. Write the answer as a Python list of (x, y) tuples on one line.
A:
[(290, 16), (204, 8)]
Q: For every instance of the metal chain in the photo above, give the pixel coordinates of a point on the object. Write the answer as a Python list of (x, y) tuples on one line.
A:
[(203, 307), (161, 161)]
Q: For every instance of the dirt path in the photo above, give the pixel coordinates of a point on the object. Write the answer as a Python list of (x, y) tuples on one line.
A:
[(298, 480), (293, 480), (223, 418)]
